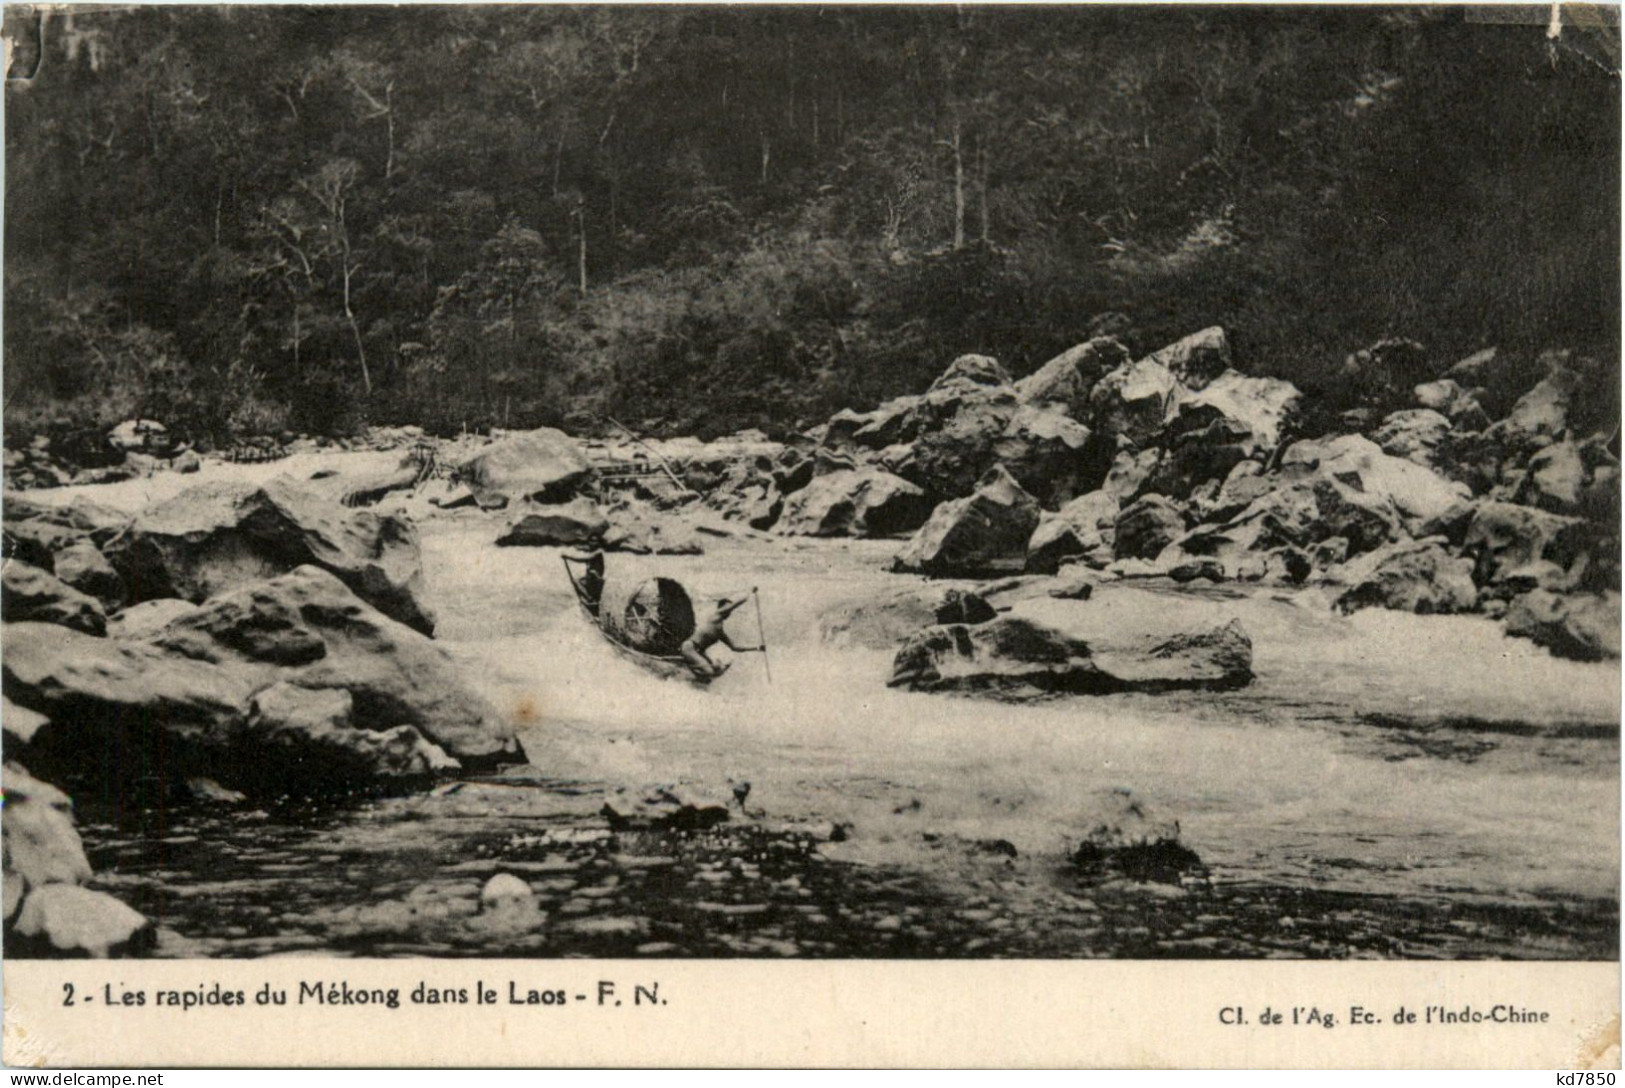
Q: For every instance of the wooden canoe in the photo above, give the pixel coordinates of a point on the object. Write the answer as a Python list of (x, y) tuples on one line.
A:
[(667, 666)]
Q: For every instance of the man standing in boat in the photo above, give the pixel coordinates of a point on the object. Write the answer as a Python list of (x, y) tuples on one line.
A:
[(708, 632)]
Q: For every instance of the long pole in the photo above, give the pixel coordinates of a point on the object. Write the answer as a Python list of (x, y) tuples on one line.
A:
[(761, 633)]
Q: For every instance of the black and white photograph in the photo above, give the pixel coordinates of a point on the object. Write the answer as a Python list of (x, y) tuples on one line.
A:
[(940, 482)]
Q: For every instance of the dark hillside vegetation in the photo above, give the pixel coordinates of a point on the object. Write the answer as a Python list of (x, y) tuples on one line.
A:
[(253, 220)]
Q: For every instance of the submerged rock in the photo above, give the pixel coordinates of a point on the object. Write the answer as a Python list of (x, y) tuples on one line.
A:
[(1581, 626), (664, 808), (1124, 841), (1048, 646), (884, 621), (577, 522)]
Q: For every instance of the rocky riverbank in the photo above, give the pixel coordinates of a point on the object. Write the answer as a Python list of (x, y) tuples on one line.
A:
[(261, 663)]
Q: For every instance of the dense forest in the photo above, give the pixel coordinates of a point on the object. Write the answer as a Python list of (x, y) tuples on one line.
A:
[(248, 220)]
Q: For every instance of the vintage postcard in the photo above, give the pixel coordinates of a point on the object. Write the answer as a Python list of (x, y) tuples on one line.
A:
[(756, 535)]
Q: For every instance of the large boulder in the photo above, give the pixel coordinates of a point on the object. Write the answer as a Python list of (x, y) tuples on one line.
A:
[(1146, 526), (1461, 407), (1044, 449), (572, 524), (41, 845), (1414, 434), (866, 502), (1198, 359), (1083, 529), (1066, 380), (82, 566), (1233, 418), (1417, 492), (1048, 646), (309, 736), (971, 372), (987, 531), (1555, 479), (141, 620), (177, 703), (37, 532), (67, 920), (1541, 415), (29, 594), (217, 537), (1267, 537), (1582, 626), (749, 491), (1256, 411), (1131, 473), (1505, 538), (1130, 405), (952, 450), (307, 627), (544, 465), (119, 710), (1410, 576)]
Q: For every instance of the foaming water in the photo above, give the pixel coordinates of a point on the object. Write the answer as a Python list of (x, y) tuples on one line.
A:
[(1286, 780)]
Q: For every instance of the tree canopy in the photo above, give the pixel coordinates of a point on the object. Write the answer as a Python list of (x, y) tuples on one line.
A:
[(242, 219)]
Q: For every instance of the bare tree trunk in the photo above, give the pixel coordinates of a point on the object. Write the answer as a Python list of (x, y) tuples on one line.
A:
[(959, 189), (389, 119), (558, 161), (355, 329), (581, 258), (981, 149)]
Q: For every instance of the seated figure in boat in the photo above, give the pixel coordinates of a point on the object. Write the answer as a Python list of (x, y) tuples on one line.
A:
[(591, 580), (708, 632)]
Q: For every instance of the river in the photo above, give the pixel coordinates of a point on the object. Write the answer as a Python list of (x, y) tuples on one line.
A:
[(1390, 785)]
